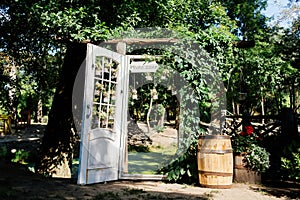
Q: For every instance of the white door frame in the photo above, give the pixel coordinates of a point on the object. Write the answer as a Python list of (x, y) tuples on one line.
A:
[(124, 156)]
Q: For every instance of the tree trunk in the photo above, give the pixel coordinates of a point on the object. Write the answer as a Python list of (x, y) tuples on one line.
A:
[(262, 109), (297, 99), (39, 114), (12, 101), (55, 157), (233, 107), (148, 114)]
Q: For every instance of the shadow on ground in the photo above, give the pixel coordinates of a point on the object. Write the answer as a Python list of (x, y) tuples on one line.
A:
[(16, 182), (280, 189)]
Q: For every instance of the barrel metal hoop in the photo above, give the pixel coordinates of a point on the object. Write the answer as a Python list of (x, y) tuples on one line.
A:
[(211, 151), (215, 173), (239, 166), (217, 186)]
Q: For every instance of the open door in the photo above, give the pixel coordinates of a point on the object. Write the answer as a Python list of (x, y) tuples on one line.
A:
[(102, 126), (110, 81)]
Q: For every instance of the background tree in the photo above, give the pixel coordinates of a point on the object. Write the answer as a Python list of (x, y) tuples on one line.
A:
[(248, 16), (49, 38), (60, 27)]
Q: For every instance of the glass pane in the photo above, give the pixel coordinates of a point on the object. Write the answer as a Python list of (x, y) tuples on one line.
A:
[(105, 79)]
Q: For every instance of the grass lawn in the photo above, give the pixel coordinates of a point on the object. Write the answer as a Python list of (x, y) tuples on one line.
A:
[(149, 162)]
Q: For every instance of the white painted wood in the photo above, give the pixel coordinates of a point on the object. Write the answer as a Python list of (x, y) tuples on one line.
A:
[(103, 147), (144, 177), (83, 155), (145, 41), (102, 156), (101, 138), (143, 66), (124, 153), (123, 167)]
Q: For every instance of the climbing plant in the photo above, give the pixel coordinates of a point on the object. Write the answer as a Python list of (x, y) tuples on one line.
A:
[(34, 32)]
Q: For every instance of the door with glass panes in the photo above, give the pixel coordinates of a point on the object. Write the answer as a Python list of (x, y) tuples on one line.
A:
[(102, 127)]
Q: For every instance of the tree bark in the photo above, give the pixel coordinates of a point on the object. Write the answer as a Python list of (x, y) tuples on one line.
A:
[(12, 101), (262, 109), (55, 156), (148, 114), (39, 114)]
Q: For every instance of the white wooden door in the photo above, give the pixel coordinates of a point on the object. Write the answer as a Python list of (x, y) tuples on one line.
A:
[(101, 148)]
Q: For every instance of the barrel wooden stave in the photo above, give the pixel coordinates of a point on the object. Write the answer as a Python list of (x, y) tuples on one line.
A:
[(242, 174), (215, 161)]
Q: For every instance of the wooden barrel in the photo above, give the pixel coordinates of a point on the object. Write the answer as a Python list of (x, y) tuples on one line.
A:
[(215, 161)]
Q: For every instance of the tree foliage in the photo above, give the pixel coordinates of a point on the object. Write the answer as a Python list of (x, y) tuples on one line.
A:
[(36, 36)]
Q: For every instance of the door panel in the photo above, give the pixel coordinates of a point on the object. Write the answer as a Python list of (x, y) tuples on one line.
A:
[(100, 153), (103, 156)]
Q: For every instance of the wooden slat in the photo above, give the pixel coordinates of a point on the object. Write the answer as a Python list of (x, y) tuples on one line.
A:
[(142, 40), (143, 177), (254, 117)]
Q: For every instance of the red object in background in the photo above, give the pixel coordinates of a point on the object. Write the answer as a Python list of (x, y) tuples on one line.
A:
[(243, 133), (247, 130)]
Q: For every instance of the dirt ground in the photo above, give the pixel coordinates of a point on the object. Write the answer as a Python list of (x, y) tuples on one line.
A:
[(17, 182)]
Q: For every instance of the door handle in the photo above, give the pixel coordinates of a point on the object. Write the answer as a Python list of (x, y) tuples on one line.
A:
[(88, 111)]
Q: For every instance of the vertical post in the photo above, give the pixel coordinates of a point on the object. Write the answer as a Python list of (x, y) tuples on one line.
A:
[(263, 109), (123, 163), (233, 107), (262, 105), (40, 108), (121, 48)]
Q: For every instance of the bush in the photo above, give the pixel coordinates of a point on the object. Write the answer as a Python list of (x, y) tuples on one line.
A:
[(138, 148), (20, 156), (290, 161), (183, 167), (3, 152), (257, 158)]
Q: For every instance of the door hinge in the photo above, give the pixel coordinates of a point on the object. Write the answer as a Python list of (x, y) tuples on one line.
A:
[(88, 111)]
